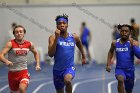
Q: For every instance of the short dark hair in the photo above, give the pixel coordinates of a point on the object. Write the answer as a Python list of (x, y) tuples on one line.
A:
[(132, 20), (14, 24), (17, 27), (115, 26), (125, 25), (83, 23), (65, 16)]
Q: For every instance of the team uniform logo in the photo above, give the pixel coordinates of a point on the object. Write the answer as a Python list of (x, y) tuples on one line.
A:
[(21, 52), (122, 49), (67, 43)]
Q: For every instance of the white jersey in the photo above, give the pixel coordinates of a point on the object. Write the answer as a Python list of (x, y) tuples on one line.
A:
[(18, 55)]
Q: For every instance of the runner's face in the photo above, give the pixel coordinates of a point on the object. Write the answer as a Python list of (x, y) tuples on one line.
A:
[(62, 26), (125, 32), (19, 33)]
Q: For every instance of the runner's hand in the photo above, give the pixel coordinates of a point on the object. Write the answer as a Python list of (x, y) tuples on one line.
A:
[(57, 33), (108, 68), (83, 61), (38, 68), (9, 63)]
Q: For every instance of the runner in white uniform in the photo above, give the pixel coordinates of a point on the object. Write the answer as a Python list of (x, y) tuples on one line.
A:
[(17, 50)]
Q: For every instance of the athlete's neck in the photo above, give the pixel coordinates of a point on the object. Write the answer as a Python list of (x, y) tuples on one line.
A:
[(65, 34), (19, 41), (122, 41)]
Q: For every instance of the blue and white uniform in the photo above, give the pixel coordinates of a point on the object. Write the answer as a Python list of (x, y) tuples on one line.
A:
[(125, 63), (64, 60), (85, 37)]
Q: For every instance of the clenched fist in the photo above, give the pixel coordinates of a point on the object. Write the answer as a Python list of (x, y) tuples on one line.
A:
[(57, 33)]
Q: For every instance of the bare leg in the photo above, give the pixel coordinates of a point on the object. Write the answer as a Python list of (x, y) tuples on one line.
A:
[(60, 91), (89, 56), (121, 84), (67, 80), (22, 88)]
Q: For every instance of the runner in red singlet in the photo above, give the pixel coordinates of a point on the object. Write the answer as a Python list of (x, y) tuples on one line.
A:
[(17, 50)]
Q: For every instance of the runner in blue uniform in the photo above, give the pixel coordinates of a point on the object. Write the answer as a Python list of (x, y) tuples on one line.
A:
[(61, 47), (125, 49), (85, 38)]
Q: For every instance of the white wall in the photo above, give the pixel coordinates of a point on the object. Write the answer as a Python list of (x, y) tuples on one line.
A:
[(99, 18), (68, 1)]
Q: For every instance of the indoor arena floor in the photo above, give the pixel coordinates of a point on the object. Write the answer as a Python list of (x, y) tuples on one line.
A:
[(91, 78)]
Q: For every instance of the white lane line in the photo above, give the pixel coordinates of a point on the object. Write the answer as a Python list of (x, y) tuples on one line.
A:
[(33, 80), (115, 81), (87, 81), (3, 88), (109, 85), (41, 85)]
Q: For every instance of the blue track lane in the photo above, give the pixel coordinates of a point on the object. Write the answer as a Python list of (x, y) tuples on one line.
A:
[(89, 79)]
